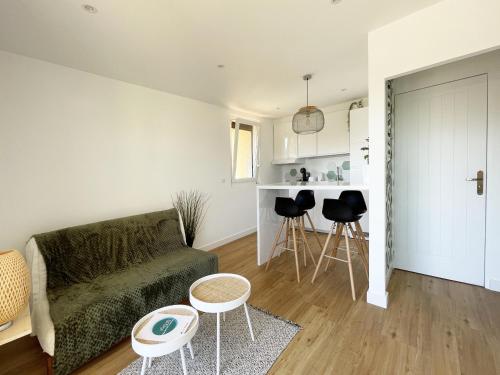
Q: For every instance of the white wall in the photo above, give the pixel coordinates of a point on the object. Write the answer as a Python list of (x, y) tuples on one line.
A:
[(488, 63), (444, 32), (78, 148)]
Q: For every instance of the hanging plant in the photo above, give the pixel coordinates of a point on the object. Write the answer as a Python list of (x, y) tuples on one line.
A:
[(192, 208), (366, 150)]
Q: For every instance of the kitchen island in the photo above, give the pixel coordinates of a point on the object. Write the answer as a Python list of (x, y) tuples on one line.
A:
[(268, 222)]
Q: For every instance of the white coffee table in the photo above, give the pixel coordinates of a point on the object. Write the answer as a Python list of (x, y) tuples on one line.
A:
[(149, 349), (219, 293)]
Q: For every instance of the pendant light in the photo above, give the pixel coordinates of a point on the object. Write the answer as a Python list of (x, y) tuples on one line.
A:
[(308, 119)]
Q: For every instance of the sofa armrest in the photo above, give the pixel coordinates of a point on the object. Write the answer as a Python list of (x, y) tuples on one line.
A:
[(41, 322)]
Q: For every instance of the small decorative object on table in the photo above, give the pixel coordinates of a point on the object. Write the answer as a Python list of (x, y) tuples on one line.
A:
[(164, 331), (14, 287), (219, 293), (192, 208)]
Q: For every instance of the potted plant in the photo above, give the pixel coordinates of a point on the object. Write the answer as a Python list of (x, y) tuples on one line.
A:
[(366, 156), (191, 206)]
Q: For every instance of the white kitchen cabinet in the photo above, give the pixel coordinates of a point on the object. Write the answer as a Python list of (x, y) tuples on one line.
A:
[(307, 145), (357, 140), (334, 138), (285, 142)]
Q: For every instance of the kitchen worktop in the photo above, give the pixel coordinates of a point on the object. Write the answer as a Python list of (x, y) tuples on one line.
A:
[(312, 185)]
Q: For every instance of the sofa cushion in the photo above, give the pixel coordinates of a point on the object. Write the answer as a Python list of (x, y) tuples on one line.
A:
[(83, 253), (90, 317)]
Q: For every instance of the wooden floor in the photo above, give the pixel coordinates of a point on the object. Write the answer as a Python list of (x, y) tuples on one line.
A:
[(432, 326)]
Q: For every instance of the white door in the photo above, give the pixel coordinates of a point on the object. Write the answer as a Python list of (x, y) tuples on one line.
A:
[(438, 213)]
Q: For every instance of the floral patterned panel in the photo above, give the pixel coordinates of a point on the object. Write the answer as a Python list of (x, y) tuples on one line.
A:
[(389, 250)]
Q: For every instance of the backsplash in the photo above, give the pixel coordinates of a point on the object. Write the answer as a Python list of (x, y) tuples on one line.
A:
[(321, 169)]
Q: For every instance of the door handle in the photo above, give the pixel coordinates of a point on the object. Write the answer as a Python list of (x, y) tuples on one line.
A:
[(479, 181)]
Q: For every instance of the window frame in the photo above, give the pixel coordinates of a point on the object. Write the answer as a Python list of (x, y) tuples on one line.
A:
[(236, 124)]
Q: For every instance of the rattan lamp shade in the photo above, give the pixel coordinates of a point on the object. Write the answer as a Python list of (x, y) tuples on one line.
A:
[(14, 285), (308, 120)]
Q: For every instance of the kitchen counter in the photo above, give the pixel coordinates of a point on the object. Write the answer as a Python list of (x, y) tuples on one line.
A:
[(268, 222), (312, 185)]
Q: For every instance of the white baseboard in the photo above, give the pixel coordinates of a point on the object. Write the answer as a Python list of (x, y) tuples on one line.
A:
[(227, 239), (494, 284), (377, 299)]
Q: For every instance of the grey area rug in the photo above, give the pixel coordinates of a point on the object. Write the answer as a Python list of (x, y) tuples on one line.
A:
[(239, 355)]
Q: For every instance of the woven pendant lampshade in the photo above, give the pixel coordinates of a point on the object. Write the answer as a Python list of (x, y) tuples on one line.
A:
[(308, 119), (14, 286)]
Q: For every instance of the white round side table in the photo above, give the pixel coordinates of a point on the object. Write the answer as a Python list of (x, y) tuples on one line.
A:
[(219, 293), (149, 349)]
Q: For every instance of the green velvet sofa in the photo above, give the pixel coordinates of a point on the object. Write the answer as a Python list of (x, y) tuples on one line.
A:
[(102, 277)]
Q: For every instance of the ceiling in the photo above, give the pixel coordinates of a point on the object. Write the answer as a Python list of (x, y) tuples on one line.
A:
[(175, 45)]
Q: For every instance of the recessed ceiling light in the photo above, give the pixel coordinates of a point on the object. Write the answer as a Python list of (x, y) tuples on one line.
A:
[(335, 2), (220, 66), (89, 8), (343, 89)]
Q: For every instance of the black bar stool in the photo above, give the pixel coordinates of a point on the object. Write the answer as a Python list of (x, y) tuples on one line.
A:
[(342, 215), (355, 199), (292, 215), (305, 201)]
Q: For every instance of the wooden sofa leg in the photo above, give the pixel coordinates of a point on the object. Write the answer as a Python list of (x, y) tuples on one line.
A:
[(50, 360)]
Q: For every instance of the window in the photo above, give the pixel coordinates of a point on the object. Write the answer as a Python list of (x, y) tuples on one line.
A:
[(244, 151)]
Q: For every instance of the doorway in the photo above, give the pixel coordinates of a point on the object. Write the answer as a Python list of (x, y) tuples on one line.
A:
[(439, 194)]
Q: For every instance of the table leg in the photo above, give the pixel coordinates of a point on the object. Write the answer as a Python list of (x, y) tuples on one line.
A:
[(249, 322), (191, 349), (183, 360), (143, 368), (224, 316), (150, 360), (218, 344)]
